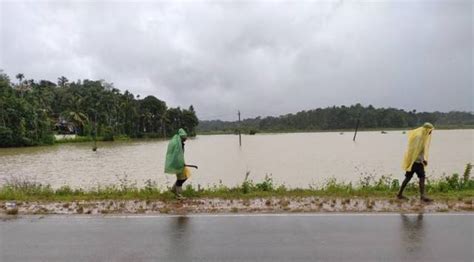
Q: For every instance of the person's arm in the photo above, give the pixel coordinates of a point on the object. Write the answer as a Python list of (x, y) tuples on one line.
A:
[(423, 160)]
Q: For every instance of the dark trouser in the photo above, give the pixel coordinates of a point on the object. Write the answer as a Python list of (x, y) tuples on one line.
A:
[(419, 169), (180, 182)]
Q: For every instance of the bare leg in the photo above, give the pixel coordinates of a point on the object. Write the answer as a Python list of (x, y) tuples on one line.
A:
[(422, 191), (404, 184), (177, 189)]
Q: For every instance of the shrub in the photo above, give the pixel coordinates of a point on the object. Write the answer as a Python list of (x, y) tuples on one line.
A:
[(454, 183), (189, 191), (64, 191), (467, 173), (395, 184), (108, 134), (247, 186), (266, 185), (47, 139), (6, 137)]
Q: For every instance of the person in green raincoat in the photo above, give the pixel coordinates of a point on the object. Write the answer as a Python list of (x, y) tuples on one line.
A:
[(416, 158), (175, 164)]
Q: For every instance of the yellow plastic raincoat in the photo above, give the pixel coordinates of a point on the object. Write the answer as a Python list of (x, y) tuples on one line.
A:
[(418, 142)]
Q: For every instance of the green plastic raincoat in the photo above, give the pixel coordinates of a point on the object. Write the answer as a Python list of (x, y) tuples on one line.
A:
[(418, 143), (174, 163)]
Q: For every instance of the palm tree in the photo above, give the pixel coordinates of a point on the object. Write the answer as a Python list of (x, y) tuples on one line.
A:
[(62, 81), (79, 119), (20, 77), (21, 87)]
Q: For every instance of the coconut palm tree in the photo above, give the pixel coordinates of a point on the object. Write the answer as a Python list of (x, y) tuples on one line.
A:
[(62, 81), (20, 77), (79, 119)]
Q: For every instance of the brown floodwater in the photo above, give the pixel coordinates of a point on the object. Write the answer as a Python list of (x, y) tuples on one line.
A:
[(294, 159)]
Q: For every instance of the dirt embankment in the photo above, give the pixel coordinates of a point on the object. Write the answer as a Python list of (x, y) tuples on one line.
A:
[(215, 205)]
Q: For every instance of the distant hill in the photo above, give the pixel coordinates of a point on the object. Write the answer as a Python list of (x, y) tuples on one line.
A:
[(342, 117)]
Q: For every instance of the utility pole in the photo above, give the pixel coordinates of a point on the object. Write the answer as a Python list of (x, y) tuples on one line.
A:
[(357, 127), (240, 137), (94, 147)]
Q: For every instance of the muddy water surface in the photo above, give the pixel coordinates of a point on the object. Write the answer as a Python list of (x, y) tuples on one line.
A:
[(297, 160)]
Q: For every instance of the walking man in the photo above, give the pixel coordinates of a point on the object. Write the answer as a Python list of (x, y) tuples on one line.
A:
[(416, 158), (175, 164)]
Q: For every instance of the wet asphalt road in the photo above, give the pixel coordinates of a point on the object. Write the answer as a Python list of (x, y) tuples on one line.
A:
[(300, 237)]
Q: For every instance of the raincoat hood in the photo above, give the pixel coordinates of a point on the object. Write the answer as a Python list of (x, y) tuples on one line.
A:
[(174, 163), (182, 133), (428, 126)]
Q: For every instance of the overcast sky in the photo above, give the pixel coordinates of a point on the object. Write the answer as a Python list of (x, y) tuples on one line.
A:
[(262, 57)]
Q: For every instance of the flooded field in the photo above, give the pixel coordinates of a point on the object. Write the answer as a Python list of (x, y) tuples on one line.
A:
[(296, 159)]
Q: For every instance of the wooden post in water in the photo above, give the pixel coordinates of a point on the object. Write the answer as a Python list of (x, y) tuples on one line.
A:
[(240, 135), (357, 127), (94, 147)]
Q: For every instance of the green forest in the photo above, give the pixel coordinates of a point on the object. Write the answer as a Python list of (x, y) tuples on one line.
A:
[(341, 118), (32, 112)]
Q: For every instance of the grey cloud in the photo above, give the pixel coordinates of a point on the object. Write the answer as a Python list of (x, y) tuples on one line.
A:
[(264, 58)]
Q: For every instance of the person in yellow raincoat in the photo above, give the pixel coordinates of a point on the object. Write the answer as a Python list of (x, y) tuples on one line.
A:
[(416, 158), (174, 163)]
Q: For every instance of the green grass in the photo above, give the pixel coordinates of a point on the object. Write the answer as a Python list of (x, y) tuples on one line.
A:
[(452, 187)]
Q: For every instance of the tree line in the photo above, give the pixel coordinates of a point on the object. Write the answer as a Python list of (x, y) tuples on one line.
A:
[(341, 117), (31, 112)]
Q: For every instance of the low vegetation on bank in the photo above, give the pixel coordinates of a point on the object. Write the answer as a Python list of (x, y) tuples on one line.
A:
[(450, 187)]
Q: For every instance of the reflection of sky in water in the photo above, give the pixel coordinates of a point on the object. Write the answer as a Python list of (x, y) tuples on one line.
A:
[(298, 159)]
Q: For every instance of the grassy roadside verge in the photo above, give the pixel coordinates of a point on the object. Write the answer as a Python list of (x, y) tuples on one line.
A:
[(454, 187)]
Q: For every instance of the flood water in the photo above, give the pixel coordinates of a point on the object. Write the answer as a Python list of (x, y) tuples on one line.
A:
[(296, 159)]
